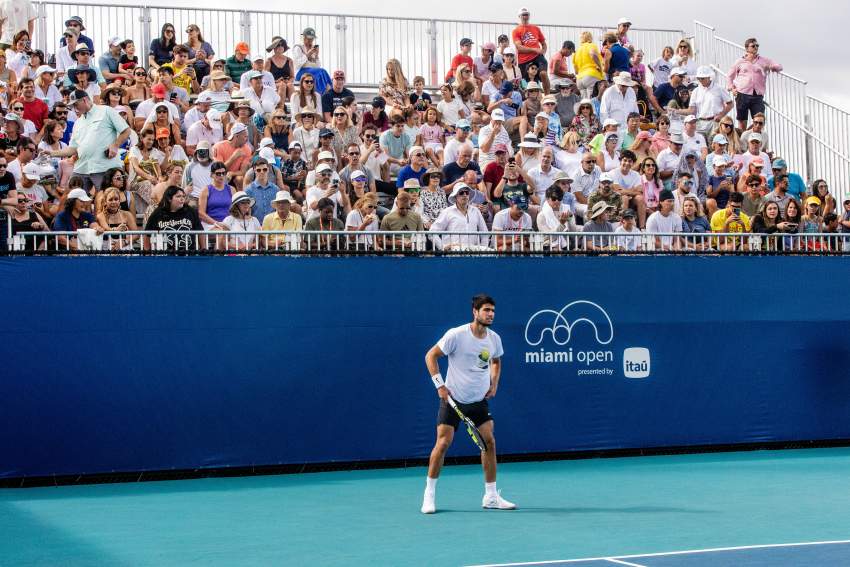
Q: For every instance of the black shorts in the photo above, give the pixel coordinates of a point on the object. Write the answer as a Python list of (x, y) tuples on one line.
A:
[(478, 412), (542, 66), (748, 105)]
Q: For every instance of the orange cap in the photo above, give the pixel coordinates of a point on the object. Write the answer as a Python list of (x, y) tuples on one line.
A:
[(163, 132), (242, 47)]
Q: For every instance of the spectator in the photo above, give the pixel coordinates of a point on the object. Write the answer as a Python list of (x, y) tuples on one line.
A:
[(669, 160), (280, 66), (324, 220), (694, 222), (239, 63), (610, 126), (396, 143), (665, 221), (30, 186), (542, 176), (215, 199), (618, 57), (45, 89), (326, 188), (183, 75), (512, 219), (432, 196), (661, 67), (22, 219), (684, 189), (559, 64), (305, 57), (162, 47), (18, 15), (510, 185), (599, 223), (96, 128), (8, 201), (75, 215), (195, 43), (207, 129), (720, 147), (459, 218), (618, 102), (628, 136), (769, 222), (605, 192), (198, 175), (585, 122), (363, 218), (730, 220), (796, 185), (629, 239), (113, 218), (116, 179), (35, 109), (415, 169), (585, 183), (83, 78), (709, 102), (556, 216), (332, 99), (694, 141), (169, 147), (629, 185), (394, 87), (642, 146), (282, 219), (756, 127), (173, 176), (419, 98), (262, 190), (402, 219), (173, 216), (235, 153), (748, 79), (588, 65), (651, 182), (566, 102), (819, 189), (462, 58), (666, 92), (262, 99), (608, 159), (780, 194), (530, 45), (128, 61), (492, 136), (753, 198), (239, 220), (266, 78), (294, 171), (110, 63), (811, 222), (483, 66)]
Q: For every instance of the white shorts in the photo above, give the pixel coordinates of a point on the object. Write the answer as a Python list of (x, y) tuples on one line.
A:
[(437, 147)]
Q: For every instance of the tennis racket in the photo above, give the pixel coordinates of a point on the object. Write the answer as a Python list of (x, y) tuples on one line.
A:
[(470, 426)]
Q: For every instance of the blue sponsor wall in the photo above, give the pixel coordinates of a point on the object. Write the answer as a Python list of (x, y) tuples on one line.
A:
[(114, 364)]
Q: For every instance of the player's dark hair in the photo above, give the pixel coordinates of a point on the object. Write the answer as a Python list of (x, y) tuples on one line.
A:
[(480, 300)]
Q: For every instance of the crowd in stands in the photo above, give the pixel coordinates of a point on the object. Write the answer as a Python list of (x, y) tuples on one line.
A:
[(523, 136)]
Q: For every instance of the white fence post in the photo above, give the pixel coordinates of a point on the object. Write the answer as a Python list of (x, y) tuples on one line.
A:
[(341, 39), (245, 25), (145, 20), (432, 53)]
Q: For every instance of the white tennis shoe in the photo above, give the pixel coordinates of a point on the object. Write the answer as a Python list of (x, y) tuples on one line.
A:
[(497, 502), (428, 505)]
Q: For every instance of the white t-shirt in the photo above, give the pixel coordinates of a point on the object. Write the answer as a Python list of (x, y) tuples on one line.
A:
[(658, 223), (503, 221), (452, 149), (354, 220), (709, 101), (491, 91), (543, 180), (313, 195), (145, 110), (468, 376), (661, 71), (567, 161), (239, 225), (695, 143), (450, 111), (629, 243), (628, 181)]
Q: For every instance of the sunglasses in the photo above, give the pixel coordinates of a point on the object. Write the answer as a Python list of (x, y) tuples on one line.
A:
[(222, 172), (759, 122), (22, 201), (161, 110), (649, 165), (140, 74), (463, 192), (2, 165), (371, 207), (307, 82), (17, 108), (259, 170), (339, 114), (359, 179), (753, 45), (588, 161), (370, 137), (753, 184)]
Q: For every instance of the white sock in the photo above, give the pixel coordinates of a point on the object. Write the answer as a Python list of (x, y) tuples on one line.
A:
[(430, 484), (490, 489)]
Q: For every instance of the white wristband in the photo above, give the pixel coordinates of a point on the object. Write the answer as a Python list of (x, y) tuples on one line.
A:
[(437, 379)]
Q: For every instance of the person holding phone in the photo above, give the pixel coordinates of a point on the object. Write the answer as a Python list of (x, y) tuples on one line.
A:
[(731, 219)]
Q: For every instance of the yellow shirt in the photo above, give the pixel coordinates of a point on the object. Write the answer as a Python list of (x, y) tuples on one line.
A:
[(272, 221), (183, 81), (718, 224), (584, 63)]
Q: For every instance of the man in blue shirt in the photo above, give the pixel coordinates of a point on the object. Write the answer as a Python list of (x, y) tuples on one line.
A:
[(108, 63), (665, 92), (415, 169), (796, 185), (262, 190), (76, 22)]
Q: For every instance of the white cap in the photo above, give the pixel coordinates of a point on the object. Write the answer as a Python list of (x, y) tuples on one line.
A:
[(202, 145), (498, 114), (358, 173), (44, 69), (325, 155), (282, 196), (510, 49), (214, 116), (678, 71), (115, 40), (610, 122), (704, 72), (720, 161), (690, 118), (267, 154), (204, 97), (622, 21), (323, 167), (32, 171), (296, 144), (414, 149), (755, 136), (74, 193), (254, 74), (541, 115), (522, 11), (266, 142), (238, 128), (606, 177)]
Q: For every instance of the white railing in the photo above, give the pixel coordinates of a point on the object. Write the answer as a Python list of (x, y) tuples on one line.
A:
[(359, 44), (422, 242), (812, 135)]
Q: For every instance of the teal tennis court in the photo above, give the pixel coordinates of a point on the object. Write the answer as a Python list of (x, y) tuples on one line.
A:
[(612, 511)]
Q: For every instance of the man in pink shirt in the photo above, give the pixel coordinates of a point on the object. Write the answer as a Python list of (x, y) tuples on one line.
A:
[(747, 80), (559, 64)]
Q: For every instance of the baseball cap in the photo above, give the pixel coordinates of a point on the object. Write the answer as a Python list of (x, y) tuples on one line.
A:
[(358, 174), (205, 96), (758, 162), (628, 214), (779, 163), (326, 133), (158, 90), (522, 11), (665, 195), (44, 69), (339, 74), (500, 148), (704, 72), (238, 128), (242, 47), (295, 145), (813, 201), (265, 143), (720, 139), (755, 136), (73, 194), (720, 161), (323, 167), (76, 96), (498, 115), (533, 86), (32, 171), (463, 123), (202, 145), (624, 21), (163, 132), (267, 154), (549, 99), (489, 45), (325, 155), (610, 122), (309, 32), (510, 50), (606, 177), (379, 102), (254, 74), (214, 116), (678, 71), (542, 115), (690, 118), (676, 138), (114, 40)]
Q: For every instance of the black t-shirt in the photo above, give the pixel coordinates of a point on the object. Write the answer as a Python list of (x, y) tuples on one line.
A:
[(7, 183), (332, 99), (426, 100), (453, 171), (26, 224), (182, 220)]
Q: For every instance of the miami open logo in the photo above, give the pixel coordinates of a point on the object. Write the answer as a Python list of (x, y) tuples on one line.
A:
[(575, 334)]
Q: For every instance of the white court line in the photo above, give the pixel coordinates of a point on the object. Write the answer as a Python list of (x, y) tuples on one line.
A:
[(662, 554), (612, 560)]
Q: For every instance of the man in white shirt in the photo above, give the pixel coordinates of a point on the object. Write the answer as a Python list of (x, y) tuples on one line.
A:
[(512, 219), (544, 174), (261, 98), (629, 185), (709, 102), (684, 188), (629, 234), (462, 131), (753, 151), (200, 108), (490, 136), (619, 100), (585, 182), (694, 141), (266, 76), (669, 158), (460, 217), (664, 220), (556, 216), (208, 129), (197, 175), (325, 188)]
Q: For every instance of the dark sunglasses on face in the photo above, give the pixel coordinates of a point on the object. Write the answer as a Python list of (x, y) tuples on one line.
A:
[(261, 170), (222, 172), (307, 82)]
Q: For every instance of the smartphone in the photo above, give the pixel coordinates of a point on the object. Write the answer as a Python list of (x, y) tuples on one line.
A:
[(737, 211)]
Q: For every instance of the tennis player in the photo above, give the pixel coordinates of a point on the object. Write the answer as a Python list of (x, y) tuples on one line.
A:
[(475, 362)]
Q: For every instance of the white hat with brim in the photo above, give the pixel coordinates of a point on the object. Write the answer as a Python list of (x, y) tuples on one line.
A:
[(283, 196), (237, 129), (624, 79), (76, 193), (323, 167), (583, 102), (457, 189), (44, 69), (241, 197), (599, 208), (624, 21), (704, 72), (529, 144), (265, 143)]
